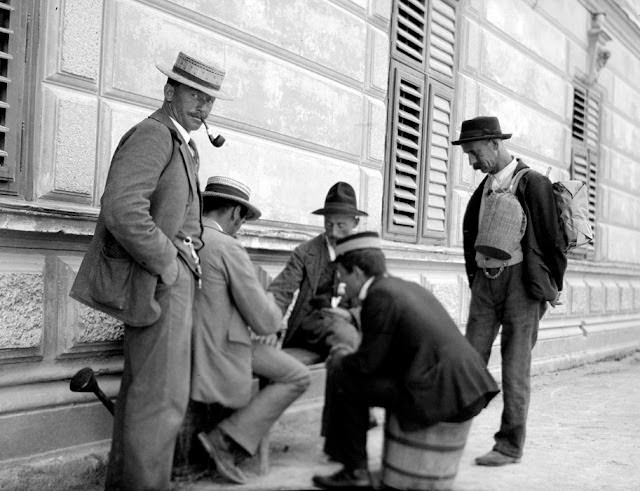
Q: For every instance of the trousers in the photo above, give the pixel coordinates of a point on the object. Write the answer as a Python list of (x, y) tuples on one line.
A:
[(504, 301), (288, 379), (154, 392)]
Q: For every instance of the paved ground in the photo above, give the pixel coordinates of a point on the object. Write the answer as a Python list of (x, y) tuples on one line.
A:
[(584, 428)]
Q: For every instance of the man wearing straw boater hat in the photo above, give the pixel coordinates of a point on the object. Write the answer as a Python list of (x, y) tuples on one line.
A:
[(231, 306), (511, 280), (142, 268), (412, 360), (321, 315)]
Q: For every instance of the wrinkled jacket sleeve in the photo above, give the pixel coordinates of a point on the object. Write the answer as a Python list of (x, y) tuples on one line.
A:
[(133, 176), (378, 320), (256, 306), (540, 201), (288, 280)]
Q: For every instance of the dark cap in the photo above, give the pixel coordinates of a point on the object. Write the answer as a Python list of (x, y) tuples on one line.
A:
[(340, 200)]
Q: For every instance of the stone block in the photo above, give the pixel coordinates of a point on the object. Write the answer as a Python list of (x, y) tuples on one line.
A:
[(315, 30), (512, 68), (372, 189), (597, 296), (623, 61), (635, 285), (21, 309), (626, 296), (378, 59), (524, 25), (621, 209), (459, 201), (531, 129), (68, 144), (626, 99), (577, 299), (622, 245), (376, 129), (570, 14), (612, 296), (380, 9), (448, 290)]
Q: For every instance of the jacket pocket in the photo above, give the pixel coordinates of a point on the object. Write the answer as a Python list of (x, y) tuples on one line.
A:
[(239, 334), (111, 280), (537, 277)]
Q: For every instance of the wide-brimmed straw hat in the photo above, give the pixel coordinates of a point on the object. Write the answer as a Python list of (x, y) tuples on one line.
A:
[(340, 200), (206, 77), (480, 128), (227, 188)]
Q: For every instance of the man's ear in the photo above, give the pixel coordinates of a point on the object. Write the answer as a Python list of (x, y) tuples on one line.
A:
[(169, 92)]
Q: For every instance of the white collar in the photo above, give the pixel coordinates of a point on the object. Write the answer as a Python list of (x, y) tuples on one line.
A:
[(211, 221), (503, 177), (183, 133), (330, 248), (365, 288)]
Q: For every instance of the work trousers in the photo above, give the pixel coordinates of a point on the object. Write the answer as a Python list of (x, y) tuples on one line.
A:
[(288, 379), (347, 417), (504, 301), (154, 392)]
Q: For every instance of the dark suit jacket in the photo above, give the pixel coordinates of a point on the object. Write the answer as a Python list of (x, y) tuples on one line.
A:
[(302, 271), (150, 184), (408, 336), (544, 262)]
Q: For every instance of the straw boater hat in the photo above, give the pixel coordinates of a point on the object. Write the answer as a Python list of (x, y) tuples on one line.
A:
[(480, 128), (227, 188), (361, 240), (340, 200), (206, 77)]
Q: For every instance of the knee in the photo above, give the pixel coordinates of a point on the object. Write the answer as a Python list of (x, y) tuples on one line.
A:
[(302, 380)]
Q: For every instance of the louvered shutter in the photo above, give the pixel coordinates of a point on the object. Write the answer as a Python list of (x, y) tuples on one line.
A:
[(409, 32), (7, 169), (442, 40), (437, 160), (405, 156)]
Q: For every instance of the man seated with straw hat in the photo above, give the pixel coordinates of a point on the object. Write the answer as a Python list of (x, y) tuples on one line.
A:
[(230, 306), (412, 360)]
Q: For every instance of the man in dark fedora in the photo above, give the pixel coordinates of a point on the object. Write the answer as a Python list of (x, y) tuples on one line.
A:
[(142, 268), (321, 316), (412, 360), (511, 292), (230, 306)]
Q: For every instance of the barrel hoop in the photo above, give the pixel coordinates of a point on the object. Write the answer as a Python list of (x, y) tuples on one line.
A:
[(415, 475), (424, 446)]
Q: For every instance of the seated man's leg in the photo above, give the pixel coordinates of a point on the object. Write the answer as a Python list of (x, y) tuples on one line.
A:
[(347, 417), (343, 332), (288, 380)]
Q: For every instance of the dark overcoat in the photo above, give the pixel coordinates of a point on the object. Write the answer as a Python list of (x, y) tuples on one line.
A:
[(409, 337), (543, 243), (148, 190)]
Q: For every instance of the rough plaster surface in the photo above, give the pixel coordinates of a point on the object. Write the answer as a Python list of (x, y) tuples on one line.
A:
[(81, 30), (21, 310), (98, 327)]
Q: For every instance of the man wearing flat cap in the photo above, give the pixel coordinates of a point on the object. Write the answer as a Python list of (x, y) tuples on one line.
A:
[(142, 268), (321, 316), (509, 288), (412, 360), (230, 306)]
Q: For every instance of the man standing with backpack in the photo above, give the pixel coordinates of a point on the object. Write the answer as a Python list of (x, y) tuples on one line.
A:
[(515, 263)]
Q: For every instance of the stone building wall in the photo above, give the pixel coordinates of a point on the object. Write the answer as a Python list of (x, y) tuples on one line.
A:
[(309, 79)]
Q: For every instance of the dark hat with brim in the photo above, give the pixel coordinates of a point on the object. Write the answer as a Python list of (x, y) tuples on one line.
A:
[(206, 77), (354, 242), (232, 190), (480, 128), (340, 200)]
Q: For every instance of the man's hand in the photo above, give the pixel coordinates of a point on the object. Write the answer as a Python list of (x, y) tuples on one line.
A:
[(338, 312), (556, 301), (336, 354)]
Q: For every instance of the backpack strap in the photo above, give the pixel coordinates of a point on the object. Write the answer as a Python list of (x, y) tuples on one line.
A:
[(515, 180)]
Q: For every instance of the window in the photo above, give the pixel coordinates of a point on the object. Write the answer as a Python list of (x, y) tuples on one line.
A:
[(585, 130), (16, 18), (421, 84)]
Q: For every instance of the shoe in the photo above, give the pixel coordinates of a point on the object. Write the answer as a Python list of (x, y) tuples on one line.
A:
[(215, 445), (495, 459), (344, 478)]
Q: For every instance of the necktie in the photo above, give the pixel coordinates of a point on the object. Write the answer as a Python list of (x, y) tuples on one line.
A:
[(194, 149)]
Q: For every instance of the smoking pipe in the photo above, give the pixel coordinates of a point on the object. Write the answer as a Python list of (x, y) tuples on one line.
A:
[(216, 141), (85, 381)]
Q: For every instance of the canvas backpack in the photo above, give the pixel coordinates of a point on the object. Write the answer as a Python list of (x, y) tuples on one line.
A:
[(572, 202), (503, 222)]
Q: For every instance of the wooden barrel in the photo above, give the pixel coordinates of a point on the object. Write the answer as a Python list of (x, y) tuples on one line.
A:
[(422, 460)]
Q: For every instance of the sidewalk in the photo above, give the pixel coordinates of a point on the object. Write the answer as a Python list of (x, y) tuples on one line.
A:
[(583, 434)]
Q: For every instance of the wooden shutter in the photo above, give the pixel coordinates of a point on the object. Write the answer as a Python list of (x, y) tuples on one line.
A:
[(442, 40), (405, 152), (437, 161), (409, 32), (7, 170)]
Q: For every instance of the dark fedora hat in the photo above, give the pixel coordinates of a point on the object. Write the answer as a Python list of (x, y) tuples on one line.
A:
[(340, 200), (232, 190), (480, 128)]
